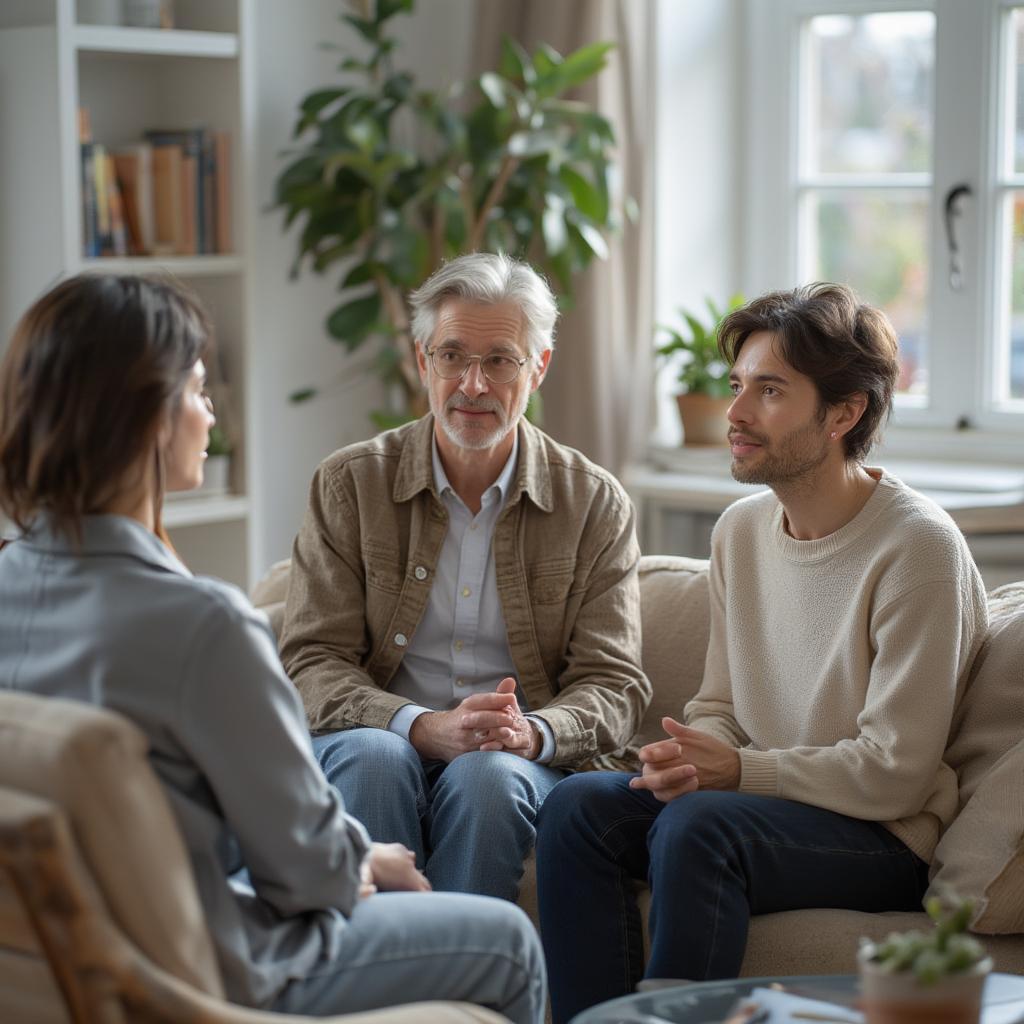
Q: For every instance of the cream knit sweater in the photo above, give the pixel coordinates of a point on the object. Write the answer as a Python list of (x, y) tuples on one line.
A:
[(835, 665)]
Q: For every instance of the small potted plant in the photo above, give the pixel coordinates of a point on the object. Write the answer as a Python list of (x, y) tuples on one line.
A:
[(702, 374), (934, 976), (217, 470)]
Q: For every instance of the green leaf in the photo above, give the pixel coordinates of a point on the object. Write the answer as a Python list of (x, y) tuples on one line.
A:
[(369, 30), (584, 63), (594, 239), (389, 8), (546, 60), (586, 197), (365, 134), (399, 87), (352, 323), (314, 103), (515, 63), (526, 144), (556, 235), (493, 87), (383, 420), (361, 273), (302, 395)]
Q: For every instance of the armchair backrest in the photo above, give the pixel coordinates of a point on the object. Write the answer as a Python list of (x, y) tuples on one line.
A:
[(91, 764)]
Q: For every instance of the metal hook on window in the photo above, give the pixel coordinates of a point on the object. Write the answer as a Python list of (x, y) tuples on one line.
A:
[(952, 211)]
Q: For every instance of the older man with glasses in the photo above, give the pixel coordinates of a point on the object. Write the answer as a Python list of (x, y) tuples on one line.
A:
[(463, 612)]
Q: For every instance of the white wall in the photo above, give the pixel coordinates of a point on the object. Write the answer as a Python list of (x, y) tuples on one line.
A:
[(699, 159), (290, 346)]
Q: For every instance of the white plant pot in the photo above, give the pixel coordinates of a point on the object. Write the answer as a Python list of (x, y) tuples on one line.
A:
[(99, 12), (216, 475), (900, 998)]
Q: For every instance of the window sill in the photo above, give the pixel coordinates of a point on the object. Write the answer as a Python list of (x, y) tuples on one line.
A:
[(982, 497)]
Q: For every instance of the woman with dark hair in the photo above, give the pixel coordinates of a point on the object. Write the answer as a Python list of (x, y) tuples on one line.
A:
[(102, 409)]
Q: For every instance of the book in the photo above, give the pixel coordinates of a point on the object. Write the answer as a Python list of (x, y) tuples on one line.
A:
[(167, 195), (90, 235), (87, 183), (190, 142), (116, 242), (133, 165), (191, 205)]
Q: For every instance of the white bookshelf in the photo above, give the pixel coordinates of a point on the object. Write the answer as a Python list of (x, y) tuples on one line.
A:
[(130, 80)]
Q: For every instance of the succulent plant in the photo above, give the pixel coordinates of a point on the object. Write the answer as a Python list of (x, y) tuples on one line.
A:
[(945, 950)]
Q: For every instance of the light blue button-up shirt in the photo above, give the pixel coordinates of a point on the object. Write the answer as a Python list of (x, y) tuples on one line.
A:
[(461, 644)]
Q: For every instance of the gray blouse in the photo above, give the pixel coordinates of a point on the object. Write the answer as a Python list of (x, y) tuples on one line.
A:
[(120, 622)]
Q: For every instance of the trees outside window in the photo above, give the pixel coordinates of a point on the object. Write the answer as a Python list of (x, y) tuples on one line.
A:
[(885, 149)]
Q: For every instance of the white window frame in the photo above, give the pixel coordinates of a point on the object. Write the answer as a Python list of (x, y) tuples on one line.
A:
[(961, 377)]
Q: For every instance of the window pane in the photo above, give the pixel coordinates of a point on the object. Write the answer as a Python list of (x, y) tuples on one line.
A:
[(1017, 66), (877, 242), (1016, 318), (870, 92)]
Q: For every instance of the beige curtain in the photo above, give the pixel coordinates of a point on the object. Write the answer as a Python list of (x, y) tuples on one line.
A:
[(598, 392)]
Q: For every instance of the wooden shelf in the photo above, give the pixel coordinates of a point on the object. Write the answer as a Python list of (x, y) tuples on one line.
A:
[(177, 266), (198, 511), (154, 42)]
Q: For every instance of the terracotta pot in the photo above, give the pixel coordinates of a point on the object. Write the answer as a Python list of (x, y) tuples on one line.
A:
[(902, 999), (703, 417)]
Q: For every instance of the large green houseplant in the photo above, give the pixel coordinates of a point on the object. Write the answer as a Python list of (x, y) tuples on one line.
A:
[(702, 376), (390, 180)]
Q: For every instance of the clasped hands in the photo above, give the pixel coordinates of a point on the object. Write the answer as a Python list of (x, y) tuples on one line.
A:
[(483, 721), (688, 760), (390, 867)]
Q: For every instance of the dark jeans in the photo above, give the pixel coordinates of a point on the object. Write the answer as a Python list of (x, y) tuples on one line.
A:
[(711, 859)]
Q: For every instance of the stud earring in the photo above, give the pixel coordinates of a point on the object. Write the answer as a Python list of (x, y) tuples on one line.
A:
[(833, 435)]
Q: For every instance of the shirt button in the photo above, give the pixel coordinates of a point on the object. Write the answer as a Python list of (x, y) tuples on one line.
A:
[(401, 639), (458, 645), (466, 591), (420, 573), (472, 526), (460, 682)]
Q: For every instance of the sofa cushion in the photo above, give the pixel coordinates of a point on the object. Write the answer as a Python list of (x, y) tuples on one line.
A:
[(269, 593), (676, 620), (92, 763), (981, 855), (990, 718)]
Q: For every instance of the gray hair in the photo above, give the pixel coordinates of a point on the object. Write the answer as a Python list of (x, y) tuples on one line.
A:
[(490, 278)]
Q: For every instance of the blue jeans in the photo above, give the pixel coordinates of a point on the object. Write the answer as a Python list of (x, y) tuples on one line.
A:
[(407, 947), (470, 823), (711, 859)]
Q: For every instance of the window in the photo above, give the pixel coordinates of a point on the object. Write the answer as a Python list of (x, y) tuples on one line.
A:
[(886, 148)]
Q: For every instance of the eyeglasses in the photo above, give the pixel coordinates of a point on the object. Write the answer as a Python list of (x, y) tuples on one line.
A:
[(453, 364)]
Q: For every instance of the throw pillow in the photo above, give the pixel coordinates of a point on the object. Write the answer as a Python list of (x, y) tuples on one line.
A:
[(981, 855), (990, 718)]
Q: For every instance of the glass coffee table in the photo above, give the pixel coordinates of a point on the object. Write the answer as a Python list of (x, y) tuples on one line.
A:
[(708, 1002)]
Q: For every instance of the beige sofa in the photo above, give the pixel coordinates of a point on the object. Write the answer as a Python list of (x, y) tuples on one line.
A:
[(983, 851)]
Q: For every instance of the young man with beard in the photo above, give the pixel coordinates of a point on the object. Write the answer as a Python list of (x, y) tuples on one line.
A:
[(845, 613), (463, 615)]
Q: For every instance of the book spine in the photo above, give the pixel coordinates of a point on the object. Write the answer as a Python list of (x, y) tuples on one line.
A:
[(90, 246)]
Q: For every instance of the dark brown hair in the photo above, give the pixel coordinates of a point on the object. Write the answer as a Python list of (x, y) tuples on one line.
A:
[(92, 370), (844, 346)]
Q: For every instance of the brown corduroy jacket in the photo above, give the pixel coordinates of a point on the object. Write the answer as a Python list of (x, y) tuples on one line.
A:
[(565, 556)]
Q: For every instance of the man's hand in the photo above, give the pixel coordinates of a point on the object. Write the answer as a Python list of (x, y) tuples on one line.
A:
[(478, 721), (688, 760), (515, 735), (392, 868)]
